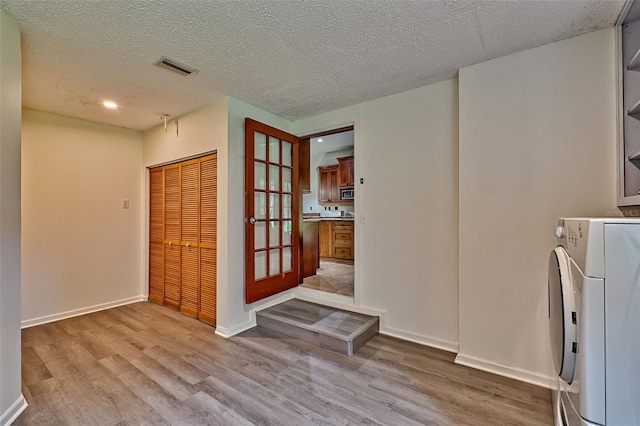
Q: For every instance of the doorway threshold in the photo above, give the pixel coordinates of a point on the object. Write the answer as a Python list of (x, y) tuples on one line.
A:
[(334, 300)]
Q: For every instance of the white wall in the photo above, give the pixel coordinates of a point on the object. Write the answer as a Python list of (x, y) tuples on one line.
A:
[(406, 254), (11, 399), (201, 131), (537, 142), (80, 250), (218, 127)]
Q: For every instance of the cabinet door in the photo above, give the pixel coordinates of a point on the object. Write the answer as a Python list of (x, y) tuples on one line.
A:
[(345, 172), (335, 189), (342, 240), (342, 252), (324, 185), (310, 248), (325, 238), (305, 165)]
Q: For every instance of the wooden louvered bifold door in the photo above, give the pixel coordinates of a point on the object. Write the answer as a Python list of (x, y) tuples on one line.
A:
[(190, 216), (156, 235), (208, 227), (172, 258), (182, 237)]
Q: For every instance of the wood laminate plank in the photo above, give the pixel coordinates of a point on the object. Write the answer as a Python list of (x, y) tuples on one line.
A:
[(168, 369), (267, 406), (214, 412), (146, 389), (177, 365), (35, 334), (33, 369), (135, 339), (47, 403), (55, 358), (170, 382)]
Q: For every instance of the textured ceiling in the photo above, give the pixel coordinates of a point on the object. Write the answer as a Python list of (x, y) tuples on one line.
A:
[(334, 142), (293, 58)]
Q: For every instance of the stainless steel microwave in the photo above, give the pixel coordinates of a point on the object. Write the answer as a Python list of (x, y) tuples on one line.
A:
[(347, 194)]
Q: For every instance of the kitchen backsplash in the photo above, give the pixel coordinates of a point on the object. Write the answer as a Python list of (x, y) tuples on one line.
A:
[(331, 211)]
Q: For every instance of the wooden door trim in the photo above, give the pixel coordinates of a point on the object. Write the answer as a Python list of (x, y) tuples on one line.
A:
[(187, 158), (327, 132)]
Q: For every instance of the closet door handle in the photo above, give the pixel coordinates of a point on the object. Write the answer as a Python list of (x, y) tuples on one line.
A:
[(170, 243), (188, 244)]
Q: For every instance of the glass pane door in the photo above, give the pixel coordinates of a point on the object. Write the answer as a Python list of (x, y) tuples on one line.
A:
[(272, 244)]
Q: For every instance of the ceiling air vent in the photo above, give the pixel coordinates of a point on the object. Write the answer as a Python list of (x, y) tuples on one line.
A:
[(175, 66)]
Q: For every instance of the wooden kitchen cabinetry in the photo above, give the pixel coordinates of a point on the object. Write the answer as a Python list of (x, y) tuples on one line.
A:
[(304, 155), (336, 239), (333, 178), (310, 249), (342, 238), (345, 172), (325, 238), (328, 190)]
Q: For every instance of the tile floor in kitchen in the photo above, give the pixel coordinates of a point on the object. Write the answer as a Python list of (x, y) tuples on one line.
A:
[(333, 276)]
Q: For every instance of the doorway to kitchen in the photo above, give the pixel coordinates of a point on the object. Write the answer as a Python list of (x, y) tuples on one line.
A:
[(328, 214)]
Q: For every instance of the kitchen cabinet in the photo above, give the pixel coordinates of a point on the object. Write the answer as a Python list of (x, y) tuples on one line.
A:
[(325, 238), (304, 155), (345, 172), (333, 178), (336, 239), (310, 248), (328, 190), (342, 239)]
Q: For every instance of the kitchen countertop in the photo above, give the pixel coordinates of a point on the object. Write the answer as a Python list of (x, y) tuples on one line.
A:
[(337, 219)]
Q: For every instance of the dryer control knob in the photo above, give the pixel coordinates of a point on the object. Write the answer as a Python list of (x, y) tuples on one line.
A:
[(559, 232)]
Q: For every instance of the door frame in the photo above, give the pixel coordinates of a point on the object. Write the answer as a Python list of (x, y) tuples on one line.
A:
[(343, 126)]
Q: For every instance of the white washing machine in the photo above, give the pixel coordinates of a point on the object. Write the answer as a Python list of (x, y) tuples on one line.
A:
[(594, 321)]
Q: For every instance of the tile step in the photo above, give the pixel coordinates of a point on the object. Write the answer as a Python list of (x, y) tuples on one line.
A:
[(330, 328)]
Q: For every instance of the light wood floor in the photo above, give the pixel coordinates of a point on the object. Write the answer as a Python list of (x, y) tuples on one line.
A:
[(143, 364)]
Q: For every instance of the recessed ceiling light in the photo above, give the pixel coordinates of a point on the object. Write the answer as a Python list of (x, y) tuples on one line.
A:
[(110, 104), (319, 140)]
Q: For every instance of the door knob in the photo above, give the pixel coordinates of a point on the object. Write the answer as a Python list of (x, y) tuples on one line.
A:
[(252, 220), (188, 244), (170, 243)]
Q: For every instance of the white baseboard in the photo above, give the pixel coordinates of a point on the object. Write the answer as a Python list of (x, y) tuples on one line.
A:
[(80, 311), (272, 302), (11, 414), (420, 339), (227, 332), (507, 371)]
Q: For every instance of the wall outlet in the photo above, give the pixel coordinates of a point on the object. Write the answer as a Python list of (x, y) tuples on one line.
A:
[(363, 219), (125, 204)]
